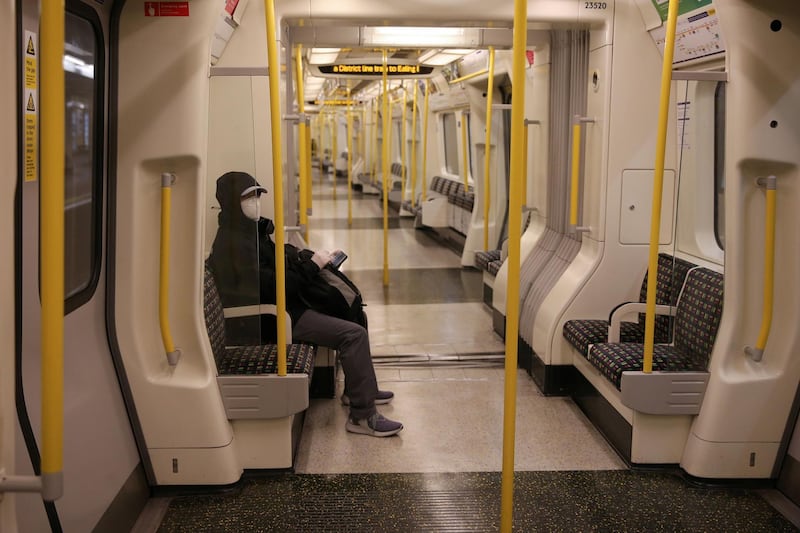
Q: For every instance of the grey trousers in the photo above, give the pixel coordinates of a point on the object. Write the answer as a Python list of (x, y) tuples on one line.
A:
[(352, 343)]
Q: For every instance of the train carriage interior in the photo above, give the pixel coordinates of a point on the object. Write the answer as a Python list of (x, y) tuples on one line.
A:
[(569, 223)]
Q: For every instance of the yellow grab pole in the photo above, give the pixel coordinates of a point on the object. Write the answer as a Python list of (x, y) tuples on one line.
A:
[(349, 160), (464, 149), (514, 229), (487, 153), (757, 352), (414, 162), (658, 185), (167, 180), (302, 138), (387, 124), (375, 144), (524, 191), (425, 142), (576, 167), (335, 154), (403, 135), (277, 181), (309, 182), (469, 76), (52, 248)]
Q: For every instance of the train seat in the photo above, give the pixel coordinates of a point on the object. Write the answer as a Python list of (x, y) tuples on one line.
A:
[(696, 320), (670, 278), (253, 369)]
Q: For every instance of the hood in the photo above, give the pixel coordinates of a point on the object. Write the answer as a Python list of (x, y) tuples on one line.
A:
[(230, 187)]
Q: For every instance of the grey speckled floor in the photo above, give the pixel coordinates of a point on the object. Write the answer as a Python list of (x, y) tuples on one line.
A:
[(618, 501)]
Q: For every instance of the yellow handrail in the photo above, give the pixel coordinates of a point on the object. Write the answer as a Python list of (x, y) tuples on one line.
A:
[(469, 76), (375, 143), (414, 162), (335, 154), (277, 182), (349, 160), (512, 284), (302, 139), (309, 182), (52, 249), (576, 166), (464, 149), (387, 124), (658, 185), (403, 153), (487, 152), (757, 353), (425, 141), (167, 180)]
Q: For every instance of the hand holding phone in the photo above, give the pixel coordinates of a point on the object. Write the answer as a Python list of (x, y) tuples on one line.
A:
[(337, 258)]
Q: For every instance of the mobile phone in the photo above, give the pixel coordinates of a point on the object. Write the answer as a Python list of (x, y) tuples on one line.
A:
[(337, 259)]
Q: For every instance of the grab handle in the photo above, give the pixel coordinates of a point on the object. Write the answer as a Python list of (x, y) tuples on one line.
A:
[(167, 180), (577, 121), (757, 353)]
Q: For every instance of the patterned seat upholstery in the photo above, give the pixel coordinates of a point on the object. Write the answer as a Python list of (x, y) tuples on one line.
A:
[(494, 267), (239, 360), (482, 259), (670, 278), (697, 319)]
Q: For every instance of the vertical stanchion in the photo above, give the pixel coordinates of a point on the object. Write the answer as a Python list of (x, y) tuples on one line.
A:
[(277, 181), (425, 141), (514, 228), (487, 152), (52, 248), (387, 124), (302, 139), (658, 185), (414, 162), (403, 134), (375, 150), (464, 149), (335, 154), (349, 160)]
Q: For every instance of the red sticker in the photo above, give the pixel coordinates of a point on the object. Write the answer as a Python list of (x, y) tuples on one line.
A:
[(230, 6), (529, 54), (166, 9)]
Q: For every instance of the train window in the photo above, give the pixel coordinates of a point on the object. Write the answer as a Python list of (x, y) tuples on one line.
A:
[(83, 79), (719, 164), (450, 132)]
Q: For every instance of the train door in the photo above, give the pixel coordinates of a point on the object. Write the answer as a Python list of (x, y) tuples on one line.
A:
[(101, 462)]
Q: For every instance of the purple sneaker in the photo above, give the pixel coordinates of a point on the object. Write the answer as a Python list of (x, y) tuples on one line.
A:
[(376, 425)]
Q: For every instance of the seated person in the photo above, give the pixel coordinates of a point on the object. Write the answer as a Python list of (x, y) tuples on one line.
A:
[(243, 261)]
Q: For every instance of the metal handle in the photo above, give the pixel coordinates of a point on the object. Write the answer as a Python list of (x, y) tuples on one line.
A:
[(757, 353)]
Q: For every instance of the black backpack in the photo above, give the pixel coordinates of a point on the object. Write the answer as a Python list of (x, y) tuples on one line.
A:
[(332, 293)]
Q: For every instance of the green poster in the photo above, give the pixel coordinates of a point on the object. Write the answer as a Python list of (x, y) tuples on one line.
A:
[(684, 6)]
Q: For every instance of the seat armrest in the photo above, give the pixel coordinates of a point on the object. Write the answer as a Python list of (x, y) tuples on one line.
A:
[(630, 308), (256, 310)]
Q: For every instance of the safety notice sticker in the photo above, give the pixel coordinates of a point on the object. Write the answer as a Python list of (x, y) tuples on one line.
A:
[(166, 9), (30, 104)]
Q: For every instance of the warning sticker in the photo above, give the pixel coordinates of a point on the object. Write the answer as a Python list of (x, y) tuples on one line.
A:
[(166, 9), (30, 104)]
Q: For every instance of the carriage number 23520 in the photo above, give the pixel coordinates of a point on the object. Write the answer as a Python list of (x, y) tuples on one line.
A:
[(594, 5)]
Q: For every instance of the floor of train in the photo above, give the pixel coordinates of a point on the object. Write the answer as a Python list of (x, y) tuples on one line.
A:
[(433, 345)]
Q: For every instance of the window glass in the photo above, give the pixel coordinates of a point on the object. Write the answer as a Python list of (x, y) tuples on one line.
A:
[(450, 133), (82, 161)]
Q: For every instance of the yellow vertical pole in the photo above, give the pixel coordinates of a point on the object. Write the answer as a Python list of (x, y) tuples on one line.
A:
[(335, 154), (524, 191), (514, 229), (52, 248), (387, 124), (309, 181), (658, 185), (362, 139), (414, 162), (425, 141), (302, 138), (277, 181), (320, 150), (374, 165), (349, 160), (464, 149), (403, 135), (487, 154)]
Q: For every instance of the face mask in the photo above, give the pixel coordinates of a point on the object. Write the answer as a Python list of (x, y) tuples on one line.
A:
[(251, 208)]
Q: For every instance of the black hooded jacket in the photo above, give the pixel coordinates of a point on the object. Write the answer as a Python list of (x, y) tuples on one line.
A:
[(243, 255)]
